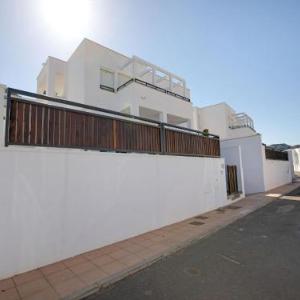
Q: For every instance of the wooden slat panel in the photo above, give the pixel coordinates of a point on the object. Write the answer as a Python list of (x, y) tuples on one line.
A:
[(191, 144), (20, 123), (40, 124)]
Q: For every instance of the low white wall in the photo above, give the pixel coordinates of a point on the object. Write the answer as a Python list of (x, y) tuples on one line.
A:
[(57, 203), (277, 173)]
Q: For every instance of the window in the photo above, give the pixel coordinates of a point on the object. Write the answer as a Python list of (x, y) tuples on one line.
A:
[(107, 78)]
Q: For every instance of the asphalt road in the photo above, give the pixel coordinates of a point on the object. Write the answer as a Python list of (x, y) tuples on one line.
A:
[(257, 257)]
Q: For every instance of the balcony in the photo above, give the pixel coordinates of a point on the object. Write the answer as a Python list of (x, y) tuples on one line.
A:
[(139, 71), (241, 120)]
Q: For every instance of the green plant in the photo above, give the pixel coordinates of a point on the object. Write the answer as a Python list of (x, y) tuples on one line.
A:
[(205, 132)]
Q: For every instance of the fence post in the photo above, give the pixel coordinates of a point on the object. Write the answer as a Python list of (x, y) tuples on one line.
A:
[(162, 139), (114, 134)]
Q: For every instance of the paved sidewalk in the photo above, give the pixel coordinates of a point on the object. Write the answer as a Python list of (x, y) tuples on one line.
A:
[(84, 274)]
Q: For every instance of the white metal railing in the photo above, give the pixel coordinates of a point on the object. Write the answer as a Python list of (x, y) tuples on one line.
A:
[(140, 69), (136, 70), (240, 120)]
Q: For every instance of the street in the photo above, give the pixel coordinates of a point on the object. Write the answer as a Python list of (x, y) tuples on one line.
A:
[(256, 257)]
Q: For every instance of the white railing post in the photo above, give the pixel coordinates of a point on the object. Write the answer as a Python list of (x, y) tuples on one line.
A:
[(116, 83), (170, 82), (153, 76)]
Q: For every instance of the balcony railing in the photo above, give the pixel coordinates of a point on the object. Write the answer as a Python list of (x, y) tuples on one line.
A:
[(142, 72), (241, 120), (39, 120), (144, 83)]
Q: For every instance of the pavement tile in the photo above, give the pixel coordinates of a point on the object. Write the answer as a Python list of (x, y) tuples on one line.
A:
[(146, 254), (93, 254), (32, 287), (126, 244), (108, 249), (49, 269), (134, 248), (144, 243), (114, 268), (57, 277), (68, 287), (27, 277), (102, 260), (93, 276), (131, 260), (9, 294), (82, 268), (141, 237), (45, 294), (79, 259), (6, 284), (119, 253), (158, 238)]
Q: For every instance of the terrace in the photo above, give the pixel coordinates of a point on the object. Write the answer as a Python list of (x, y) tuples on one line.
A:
[(142, 72), (240, 120)]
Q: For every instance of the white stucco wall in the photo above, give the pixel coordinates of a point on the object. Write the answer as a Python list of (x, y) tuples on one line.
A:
[(216, 118), (276, 173), (136, 95), (240, 132), (52, 78), (260, 174), (252, 161), (233, 156), (56, 203), (294, 158)]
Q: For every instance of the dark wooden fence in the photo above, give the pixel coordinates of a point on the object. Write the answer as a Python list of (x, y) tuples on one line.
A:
[(34, 123), (277, 155), (232, 182)]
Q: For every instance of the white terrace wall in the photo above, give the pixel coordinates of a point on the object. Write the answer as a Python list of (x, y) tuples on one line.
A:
[(56, 203)]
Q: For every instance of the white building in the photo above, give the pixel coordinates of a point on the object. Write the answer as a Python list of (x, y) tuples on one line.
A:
[(52, 182), (51, 185), (99, 76), (242, 146)]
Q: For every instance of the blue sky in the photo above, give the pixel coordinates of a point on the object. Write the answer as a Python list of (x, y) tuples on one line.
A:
[(243, 52)]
